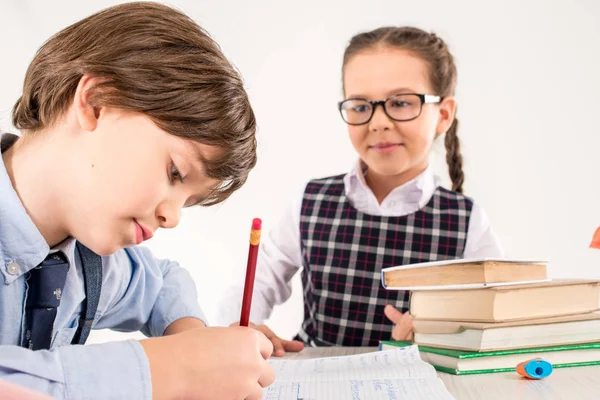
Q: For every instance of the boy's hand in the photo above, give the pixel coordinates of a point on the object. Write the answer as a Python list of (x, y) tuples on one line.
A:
[(402, 323), (280, 346), (210, 363)]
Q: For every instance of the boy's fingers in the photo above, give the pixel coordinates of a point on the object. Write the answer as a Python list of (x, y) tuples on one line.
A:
[(265, 345), (256, 394), (267, 377), (278, 348), (392, 314)]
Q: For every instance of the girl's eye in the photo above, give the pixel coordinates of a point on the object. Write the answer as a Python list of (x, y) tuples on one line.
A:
[(360, 108), (175, 174), (400, 104)]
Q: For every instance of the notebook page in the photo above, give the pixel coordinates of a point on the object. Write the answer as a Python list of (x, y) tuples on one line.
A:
[(361, 389), (403, 362), (392, 374)]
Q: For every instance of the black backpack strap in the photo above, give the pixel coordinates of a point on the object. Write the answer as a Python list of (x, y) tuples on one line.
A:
[(92, 273)]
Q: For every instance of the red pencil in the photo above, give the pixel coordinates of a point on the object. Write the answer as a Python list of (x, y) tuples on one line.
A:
[(250, 271)]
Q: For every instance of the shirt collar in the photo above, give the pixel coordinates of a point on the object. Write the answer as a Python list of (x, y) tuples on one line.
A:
[(417, 191), (20, 240)]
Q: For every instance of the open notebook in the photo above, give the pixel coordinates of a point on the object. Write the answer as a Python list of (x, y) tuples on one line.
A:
[(390, 374)]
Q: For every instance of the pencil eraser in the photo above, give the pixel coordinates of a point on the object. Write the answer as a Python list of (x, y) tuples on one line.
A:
[(256, 224), (534, 369)]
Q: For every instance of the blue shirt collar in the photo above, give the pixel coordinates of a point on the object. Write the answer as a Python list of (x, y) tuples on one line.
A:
[(20, 240)]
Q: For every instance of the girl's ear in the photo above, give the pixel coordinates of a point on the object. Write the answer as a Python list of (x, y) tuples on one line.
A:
[(447, 113), (87, 115)]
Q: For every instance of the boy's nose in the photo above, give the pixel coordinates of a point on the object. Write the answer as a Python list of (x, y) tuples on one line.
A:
[(168, 216)]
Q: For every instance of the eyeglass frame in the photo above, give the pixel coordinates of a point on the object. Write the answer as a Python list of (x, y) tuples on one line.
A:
[(425, 99)]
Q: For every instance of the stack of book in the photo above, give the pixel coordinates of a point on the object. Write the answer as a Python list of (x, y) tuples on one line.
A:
[(478, 316)]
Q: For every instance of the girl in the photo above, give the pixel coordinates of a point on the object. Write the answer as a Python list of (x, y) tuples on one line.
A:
[(398, 86)]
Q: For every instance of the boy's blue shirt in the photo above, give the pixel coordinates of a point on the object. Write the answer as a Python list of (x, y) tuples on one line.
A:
[(139, 292)]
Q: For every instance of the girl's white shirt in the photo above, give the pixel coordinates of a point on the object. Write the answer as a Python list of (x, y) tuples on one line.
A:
[(280, 254)]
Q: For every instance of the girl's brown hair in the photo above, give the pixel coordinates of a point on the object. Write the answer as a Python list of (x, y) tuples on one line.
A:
[(155, 60), (442, 76)]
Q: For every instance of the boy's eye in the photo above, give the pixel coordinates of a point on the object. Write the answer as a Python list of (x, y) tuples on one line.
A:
[(175, 174)]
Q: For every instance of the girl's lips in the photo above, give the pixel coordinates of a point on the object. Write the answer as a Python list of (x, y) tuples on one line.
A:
[(385, 147)]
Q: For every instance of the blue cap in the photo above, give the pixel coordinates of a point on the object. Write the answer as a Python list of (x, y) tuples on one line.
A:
[(537, 369)]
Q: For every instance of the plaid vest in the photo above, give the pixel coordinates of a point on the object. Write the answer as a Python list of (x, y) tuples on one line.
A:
[(344, 250)]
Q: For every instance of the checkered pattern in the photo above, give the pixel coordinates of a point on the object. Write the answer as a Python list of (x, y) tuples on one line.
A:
[(344, 251)]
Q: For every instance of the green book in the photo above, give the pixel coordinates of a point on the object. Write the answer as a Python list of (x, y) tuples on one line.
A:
[(460, 362)]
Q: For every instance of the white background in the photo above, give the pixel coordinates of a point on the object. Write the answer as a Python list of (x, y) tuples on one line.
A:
[(529, 99)]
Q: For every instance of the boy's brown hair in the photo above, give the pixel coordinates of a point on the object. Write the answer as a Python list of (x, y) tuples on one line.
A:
[(155, 60)]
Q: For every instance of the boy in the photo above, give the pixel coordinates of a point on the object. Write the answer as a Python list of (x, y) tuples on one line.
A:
[(126, 117)]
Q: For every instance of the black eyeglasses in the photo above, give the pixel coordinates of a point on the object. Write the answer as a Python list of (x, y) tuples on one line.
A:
[(399, 107)]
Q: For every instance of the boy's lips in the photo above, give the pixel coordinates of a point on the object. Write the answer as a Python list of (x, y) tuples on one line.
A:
[(141, 233)]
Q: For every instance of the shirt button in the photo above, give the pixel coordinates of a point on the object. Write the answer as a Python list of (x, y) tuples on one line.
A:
[(391, 204), (13, 268)]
